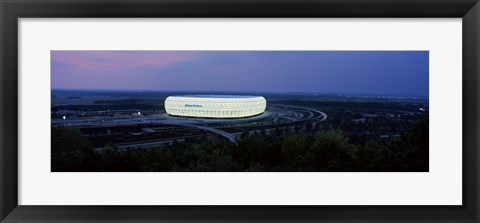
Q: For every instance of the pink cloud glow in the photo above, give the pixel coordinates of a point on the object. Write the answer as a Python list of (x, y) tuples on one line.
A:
[(118, 60)]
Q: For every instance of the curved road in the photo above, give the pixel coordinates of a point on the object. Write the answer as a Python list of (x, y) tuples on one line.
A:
[(187, 123), (310, 110), (227, 135)]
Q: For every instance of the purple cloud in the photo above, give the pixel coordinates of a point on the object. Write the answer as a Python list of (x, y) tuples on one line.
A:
[(117, 60), (344, 72)]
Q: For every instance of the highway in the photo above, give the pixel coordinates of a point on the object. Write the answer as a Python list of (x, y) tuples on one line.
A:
[(227, 135), (310, 110), (312, 114), (144, 120)]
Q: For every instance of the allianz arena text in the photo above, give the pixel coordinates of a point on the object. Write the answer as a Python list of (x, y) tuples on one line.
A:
[(215, 106)]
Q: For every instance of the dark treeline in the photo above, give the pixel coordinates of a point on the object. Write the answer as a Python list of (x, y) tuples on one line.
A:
[(325, 150)]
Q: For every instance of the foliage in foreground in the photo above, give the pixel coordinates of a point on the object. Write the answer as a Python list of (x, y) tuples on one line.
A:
[(326, 150)]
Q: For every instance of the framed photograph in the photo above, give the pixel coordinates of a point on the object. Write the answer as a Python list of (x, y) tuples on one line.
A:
[(239, 111)]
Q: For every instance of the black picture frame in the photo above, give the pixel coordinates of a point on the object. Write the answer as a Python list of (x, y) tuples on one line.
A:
[(12, 10)]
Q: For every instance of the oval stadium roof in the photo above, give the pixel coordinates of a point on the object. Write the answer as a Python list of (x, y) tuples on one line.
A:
[(216, 96)]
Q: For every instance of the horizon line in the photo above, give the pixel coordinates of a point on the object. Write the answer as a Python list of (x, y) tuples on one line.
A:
[(267, 92)]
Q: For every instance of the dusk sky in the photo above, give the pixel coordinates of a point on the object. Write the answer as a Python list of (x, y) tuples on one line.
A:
[(389, 73)]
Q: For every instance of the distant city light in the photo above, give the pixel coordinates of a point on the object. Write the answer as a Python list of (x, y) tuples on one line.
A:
[(64, 117)]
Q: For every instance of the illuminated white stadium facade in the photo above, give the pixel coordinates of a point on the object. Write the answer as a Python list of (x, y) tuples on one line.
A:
[(215, 106)]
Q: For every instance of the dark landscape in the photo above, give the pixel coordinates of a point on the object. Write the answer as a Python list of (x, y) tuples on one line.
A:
[(130, 131)]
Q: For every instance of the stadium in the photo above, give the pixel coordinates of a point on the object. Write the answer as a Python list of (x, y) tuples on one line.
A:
[(215, 106)]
